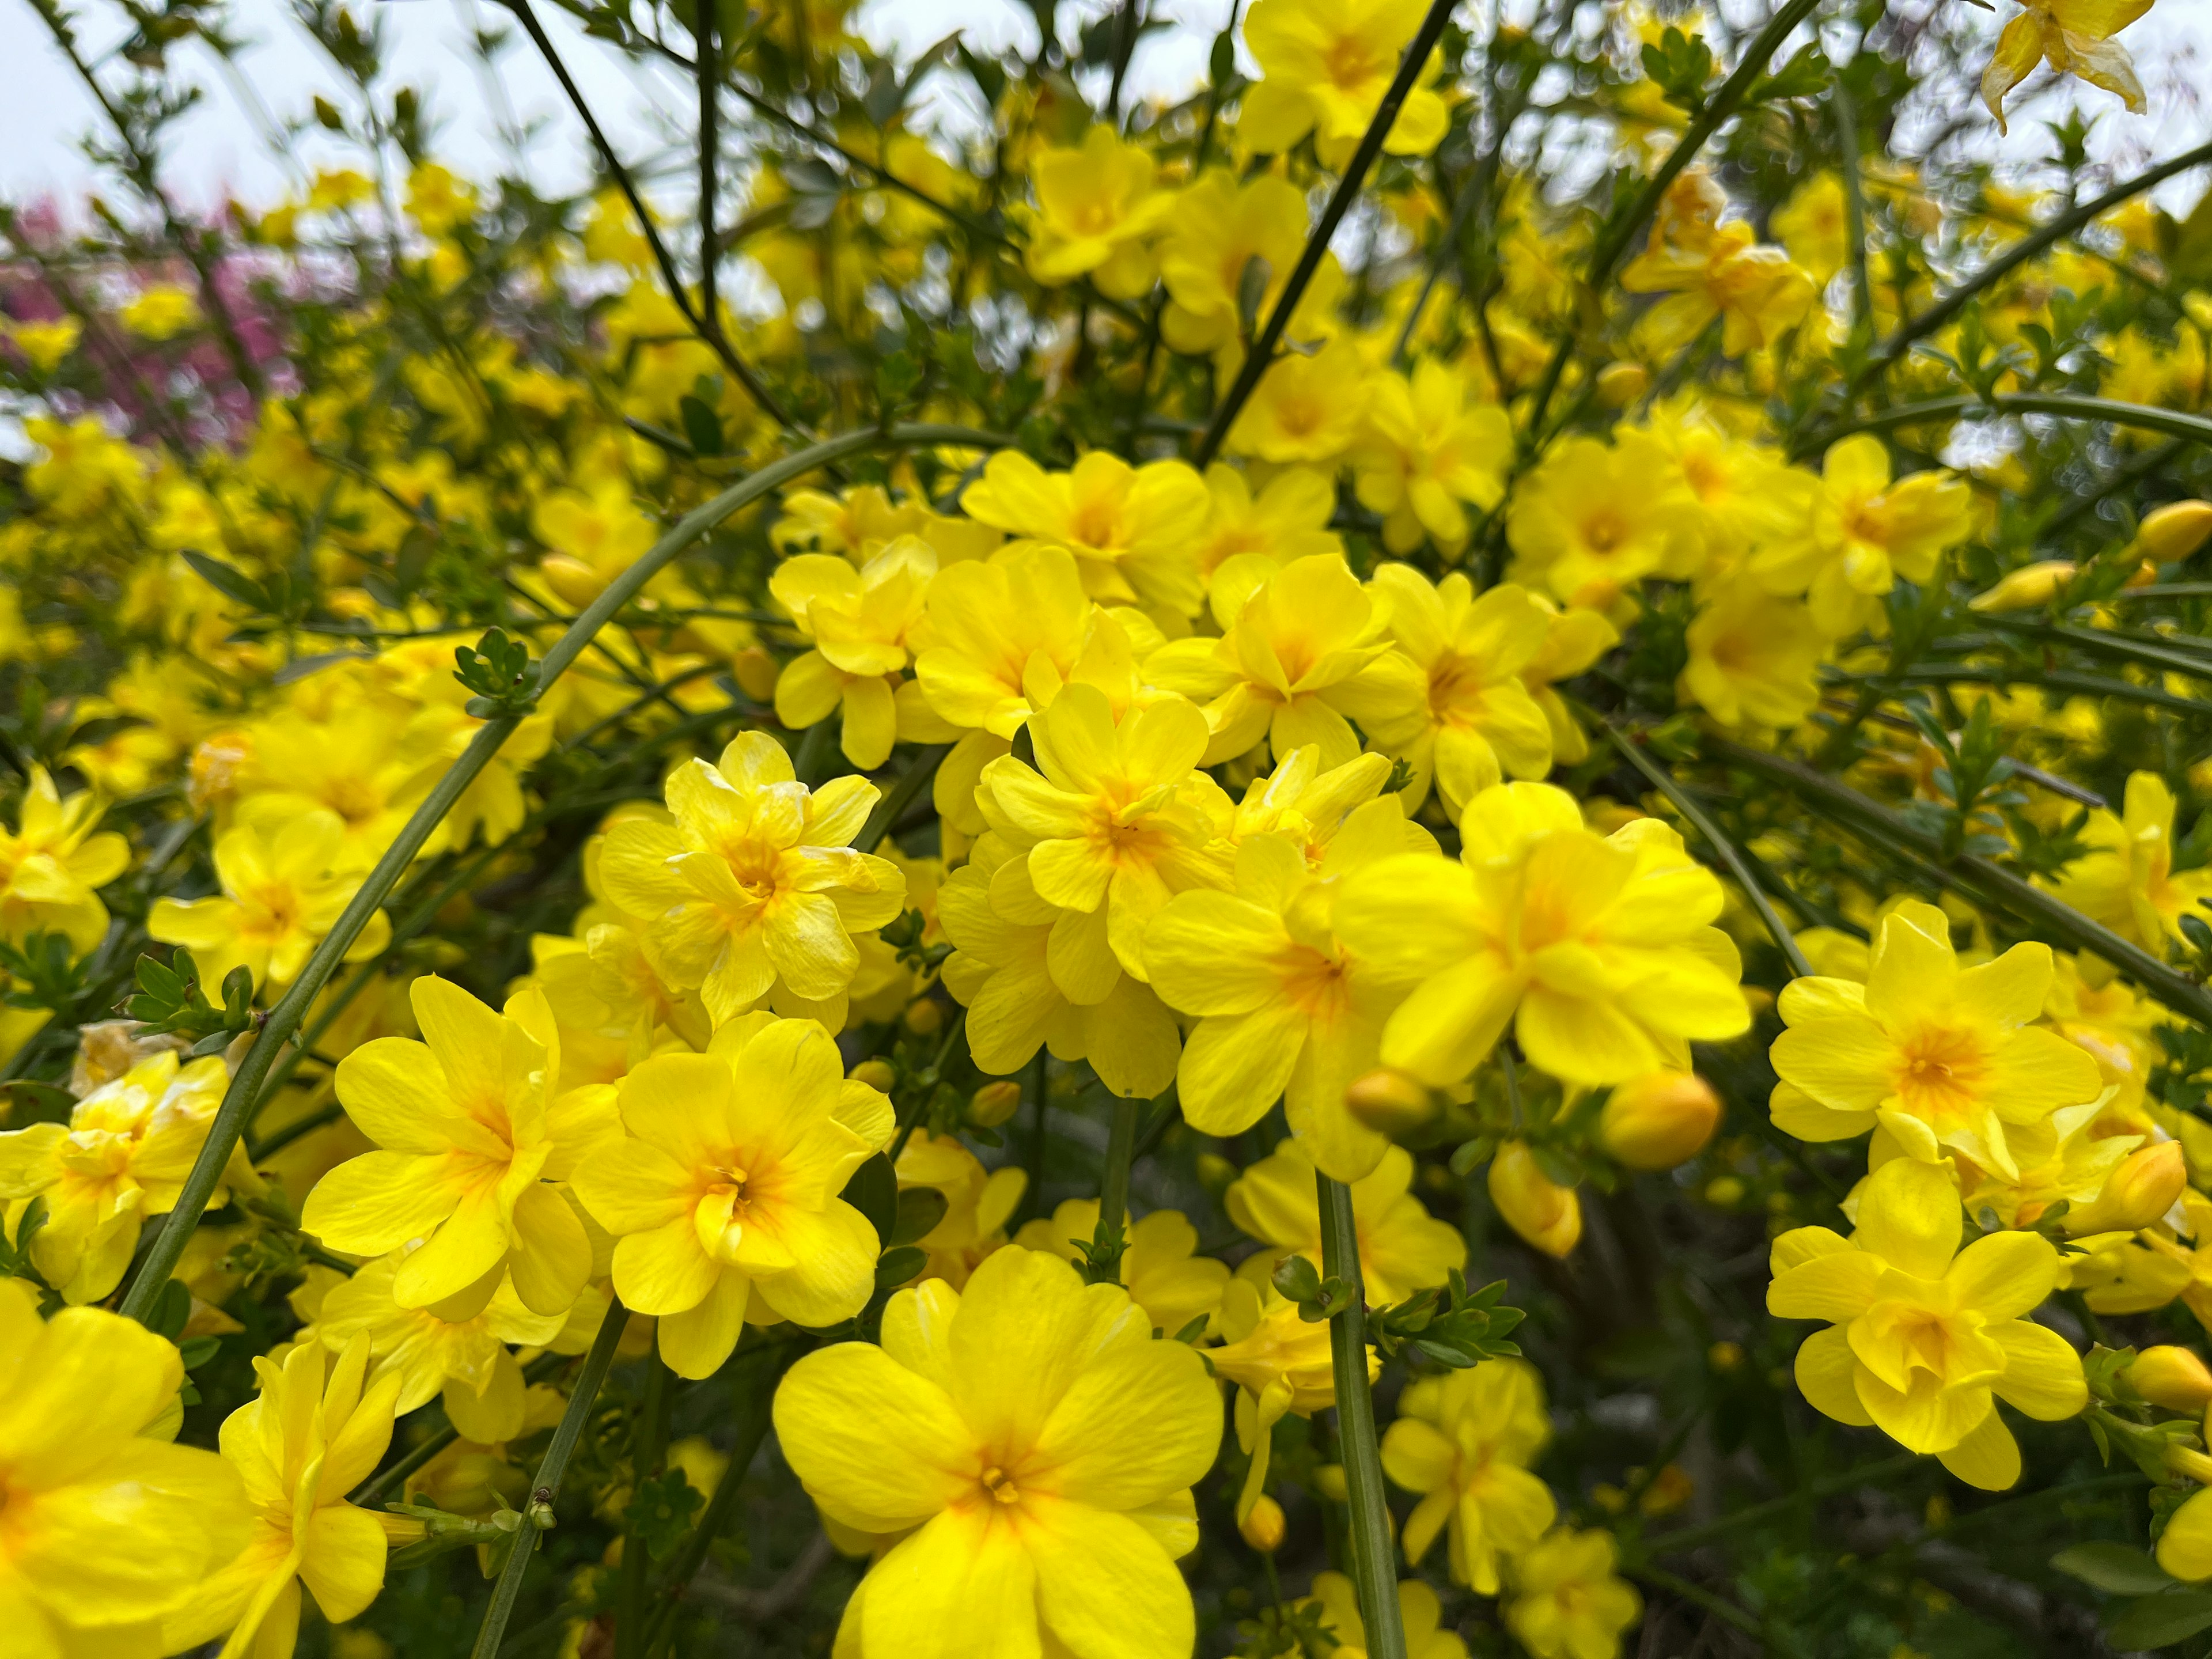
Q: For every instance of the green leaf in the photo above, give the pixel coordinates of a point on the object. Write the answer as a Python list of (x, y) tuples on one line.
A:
[(230, 582), (661, 1512), (920, 1210), (2113, 1567), (895, 1267), (874, 1191), (2159, 1621), (701, 425)]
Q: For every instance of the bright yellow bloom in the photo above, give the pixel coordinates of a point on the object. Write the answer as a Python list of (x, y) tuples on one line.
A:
[(1477, 722), (725, 1184), (1004, 637), (1286, 519), (47, 344), (755, 892), (1419, 1612), (1568, 1602), (1307, 411), (1097, 207), (300, 1448), (472, 1133), (1815, 225), (106, 1529), (1219, 229), (122, 1157), (2127, 880), (2074, 37), (1858, 532), (1753, 290), (1299, 653), (1302, 803), (2185, 1548), (281, 894), (1576, 639), (1430, 454), (354, 765), (1402, 1248), (861, 625), (161, 312), (466, 1360), (1283, 1010), (996, 1423), (1754, 658), (594, 535), (1161, 1269), (1129, 528), (1324, 69), (1279, 1362), (978, 1203), (1596, 948), (49, 867), (1464, 1440), (1548, 1216), (1592, 520), (1925, 1333), (1941, 1056)]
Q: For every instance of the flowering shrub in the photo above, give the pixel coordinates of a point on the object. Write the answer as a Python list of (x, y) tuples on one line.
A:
[(1407, 860)]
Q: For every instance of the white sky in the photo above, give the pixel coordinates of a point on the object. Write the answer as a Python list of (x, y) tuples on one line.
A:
[(219, 151)]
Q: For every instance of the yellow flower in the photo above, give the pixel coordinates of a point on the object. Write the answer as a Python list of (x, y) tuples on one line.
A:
[(1128, 527), (861, 625), (299, 1448), (1575, 640), (280, 895), (48, 343), (978, 1203), (1419, 1612), (354, 765), (1727, 274), (1306, 410), (107, 1530), (1286, 519), (1754, 658), (1097, 207), (1924, 1333), (2185, 1548), (754, 891), (1592, 520), (1303, 649), (2127, 880), (1544, 1213), (1324, 69), (49, 865), (993, 1427), (725, 1184), (1004, 637), (122, 1157), (1814, 226), (595, 535), (1283, 1010), (438, 198), (1114, 820), (1568, 1602), (1599, 945), (161, 312), (1429, 455), (472, 1133), (1032, 974), (1941, 1056), (1219, 229), (1402, 1248), (465, 1358), (1858, 532), (1464, 1442), (1477, 722), (2074, 37), (1279, 1362), (1161, 1269)]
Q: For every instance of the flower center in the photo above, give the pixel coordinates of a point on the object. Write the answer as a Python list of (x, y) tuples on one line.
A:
[(1001, 1486)]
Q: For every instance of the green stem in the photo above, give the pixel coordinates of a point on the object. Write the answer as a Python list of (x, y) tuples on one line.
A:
[(1374, 1553), (1688, 1538), (1258, 360), (1999, 887), (2195, 428), (240, 1100), (648, 1449), (547, 1486), (1110, 1240), (1784, 940), (2098, 643), (1846, 110), (916, 778), (2089, 685)]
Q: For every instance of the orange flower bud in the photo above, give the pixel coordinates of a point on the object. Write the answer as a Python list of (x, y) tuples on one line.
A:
[(2137, 1193), (924, 1017), (1389, 1101), (994, 1104), (2171, 533), (1659, 1120), (1545, 1214), (2173, 1377)]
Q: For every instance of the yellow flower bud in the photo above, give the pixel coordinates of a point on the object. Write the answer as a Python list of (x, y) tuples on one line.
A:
[(1620, 385), (1262, 1526), (1725, 1356), (1329, 1482), (1545, 1214), (2171, 533), (2141, 1189), (925, 1018), (754, 672), (2185, 1548), (2027, 587), (994, 1104), (1389, 1101), (1215, 1173), (2173, 1377), (1659, 1120), (876, 1073)]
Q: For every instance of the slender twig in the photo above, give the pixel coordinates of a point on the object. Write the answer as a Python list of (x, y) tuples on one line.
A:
[(649, 1448), (547, 1486), (1110, 1240), (244, 1093), (1374, 1551), (710, 247), (1262, 356), (2195, 428), (1867, 1474), (919, 773), (2056, 679), (1846, 110)]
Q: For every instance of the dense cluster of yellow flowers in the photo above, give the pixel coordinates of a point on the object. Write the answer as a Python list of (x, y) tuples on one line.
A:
[(585, 913)]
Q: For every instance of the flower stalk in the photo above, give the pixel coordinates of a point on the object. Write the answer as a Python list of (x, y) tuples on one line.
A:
[(1374, 1553)]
